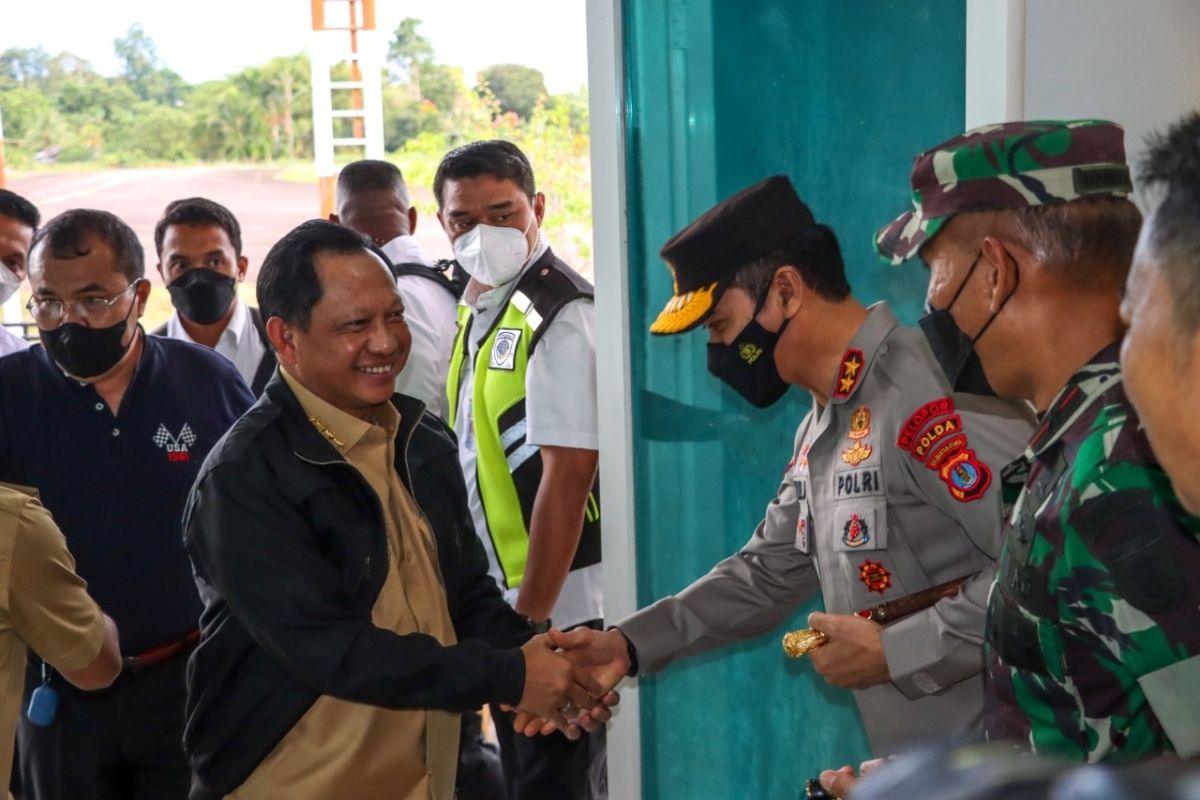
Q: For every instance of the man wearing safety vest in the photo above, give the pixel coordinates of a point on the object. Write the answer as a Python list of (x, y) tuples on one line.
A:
[(522, 399)]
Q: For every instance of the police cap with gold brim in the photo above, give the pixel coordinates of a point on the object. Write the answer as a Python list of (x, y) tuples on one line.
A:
[(704, 256)]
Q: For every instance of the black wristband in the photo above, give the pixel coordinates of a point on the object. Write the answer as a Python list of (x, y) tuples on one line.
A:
[(538, 627)]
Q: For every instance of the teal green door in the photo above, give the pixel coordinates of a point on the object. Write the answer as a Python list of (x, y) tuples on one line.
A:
[(839, 95)]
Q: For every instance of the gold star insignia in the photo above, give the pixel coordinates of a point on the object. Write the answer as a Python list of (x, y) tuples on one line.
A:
[(851, 366)]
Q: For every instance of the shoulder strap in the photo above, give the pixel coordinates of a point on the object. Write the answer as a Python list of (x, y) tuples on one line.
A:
[(548, 287), (266, 367), (433, 273)]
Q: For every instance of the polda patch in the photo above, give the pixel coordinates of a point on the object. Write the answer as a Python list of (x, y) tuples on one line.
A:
[(941, 407)]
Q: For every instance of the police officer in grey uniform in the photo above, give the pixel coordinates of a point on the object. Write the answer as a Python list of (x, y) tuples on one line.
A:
[(891, 490)]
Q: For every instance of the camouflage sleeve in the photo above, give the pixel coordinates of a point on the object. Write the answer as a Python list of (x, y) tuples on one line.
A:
[(1128, 582)]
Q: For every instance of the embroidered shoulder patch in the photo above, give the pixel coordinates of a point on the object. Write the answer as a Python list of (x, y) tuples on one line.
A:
[(967, 476), (935, 433), (849, 373), (908, 432)]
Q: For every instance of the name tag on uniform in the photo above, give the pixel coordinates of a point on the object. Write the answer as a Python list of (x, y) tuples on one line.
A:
[(867, 482), (504, 349)]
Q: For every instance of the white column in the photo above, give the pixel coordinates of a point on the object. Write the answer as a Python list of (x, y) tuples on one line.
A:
[(995, 62), (320, 51), (370, 45), (610, 247)]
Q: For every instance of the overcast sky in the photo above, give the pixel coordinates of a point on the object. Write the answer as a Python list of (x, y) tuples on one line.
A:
[(213, 38)]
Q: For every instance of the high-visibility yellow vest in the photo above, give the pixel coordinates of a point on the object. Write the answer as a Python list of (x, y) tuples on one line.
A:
[(507, 469)]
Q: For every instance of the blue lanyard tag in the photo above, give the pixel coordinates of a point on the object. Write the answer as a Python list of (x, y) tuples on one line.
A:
[(43, 703)]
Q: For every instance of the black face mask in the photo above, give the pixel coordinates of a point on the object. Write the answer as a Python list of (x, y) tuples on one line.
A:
[(953, 348), (202, 295), (85, 352), (748, 365)]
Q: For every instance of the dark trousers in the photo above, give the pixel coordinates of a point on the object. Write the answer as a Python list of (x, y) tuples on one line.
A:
[(480, 776), (553, 766), (120, 743)]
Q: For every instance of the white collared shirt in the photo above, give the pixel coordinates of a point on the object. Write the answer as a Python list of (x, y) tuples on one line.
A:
[(431, 313), (10, 342), (239, 342)]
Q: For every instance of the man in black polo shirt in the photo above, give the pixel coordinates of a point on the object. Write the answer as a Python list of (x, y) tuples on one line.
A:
[(111, 425)]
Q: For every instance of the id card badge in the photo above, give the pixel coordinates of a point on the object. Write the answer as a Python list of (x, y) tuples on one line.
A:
[(43, 703)]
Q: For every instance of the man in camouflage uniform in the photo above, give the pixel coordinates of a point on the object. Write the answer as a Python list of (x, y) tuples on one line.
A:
[(1161, 353), (1093, 633)]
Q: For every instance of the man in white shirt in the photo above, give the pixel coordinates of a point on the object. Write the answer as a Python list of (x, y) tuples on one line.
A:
[(372, 199), (200, 259), (18, 222)]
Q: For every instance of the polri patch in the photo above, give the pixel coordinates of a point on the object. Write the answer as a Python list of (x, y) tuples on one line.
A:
[(865, 482), (941, 407), (504, 349)]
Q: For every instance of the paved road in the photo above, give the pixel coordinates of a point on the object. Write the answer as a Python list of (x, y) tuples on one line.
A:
[(265, 206)]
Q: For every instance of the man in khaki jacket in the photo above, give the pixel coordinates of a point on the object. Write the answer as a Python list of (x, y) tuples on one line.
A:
[(45, 606)]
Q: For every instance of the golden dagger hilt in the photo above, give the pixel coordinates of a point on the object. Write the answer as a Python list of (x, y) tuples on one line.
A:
[(798, 644), (802, 642)]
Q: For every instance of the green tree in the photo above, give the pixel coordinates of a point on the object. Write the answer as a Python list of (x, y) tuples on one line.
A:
[(439, 84), (145, 72), (518, 88), (24, 66), (408, 50)]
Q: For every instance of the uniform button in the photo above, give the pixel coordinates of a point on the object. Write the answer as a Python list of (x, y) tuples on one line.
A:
[(99, 406), (883, 348), (116, 431)]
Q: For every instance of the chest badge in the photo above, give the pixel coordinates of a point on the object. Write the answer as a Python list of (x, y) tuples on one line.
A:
[(856, 532), (504, 349), (860, 423), (176, 446), (875, 576), (857, 454)]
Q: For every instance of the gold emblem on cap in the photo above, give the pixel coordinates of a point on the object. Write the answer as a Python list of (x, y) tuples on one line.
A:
[(684, 309)]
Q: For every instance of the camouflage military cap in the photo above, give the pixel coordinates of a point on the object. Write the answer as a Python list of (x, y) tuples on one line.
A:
[(1012, 165)]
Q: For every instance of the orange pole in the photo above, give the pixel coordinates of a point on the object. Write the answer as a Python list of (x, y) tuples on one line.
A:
[(318, 15)]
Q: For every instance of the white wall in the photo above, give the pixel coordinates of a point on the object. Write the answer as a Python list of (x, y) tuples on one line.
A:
[(1136, 62)]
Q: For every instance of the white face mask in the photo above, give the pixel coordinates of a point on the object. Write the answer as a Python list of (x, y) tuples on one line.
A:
[(9, 283), (491, 255)]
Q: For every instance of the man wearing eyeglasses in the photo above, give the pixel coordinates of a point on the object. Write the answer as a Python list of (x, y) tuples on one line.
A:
[(123, 422)]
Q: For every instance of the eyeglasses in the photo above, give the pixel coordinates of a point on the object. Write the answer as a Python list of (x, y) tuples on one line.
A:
[(49, 312)]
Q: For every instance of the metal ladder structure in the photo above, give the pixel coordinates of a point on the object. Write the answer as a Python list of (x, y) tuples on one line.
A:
[(344, 32)]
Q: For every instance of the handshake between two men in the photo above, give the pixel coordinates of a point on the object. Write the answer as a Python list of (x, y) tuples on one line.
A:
[(569, 680)]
